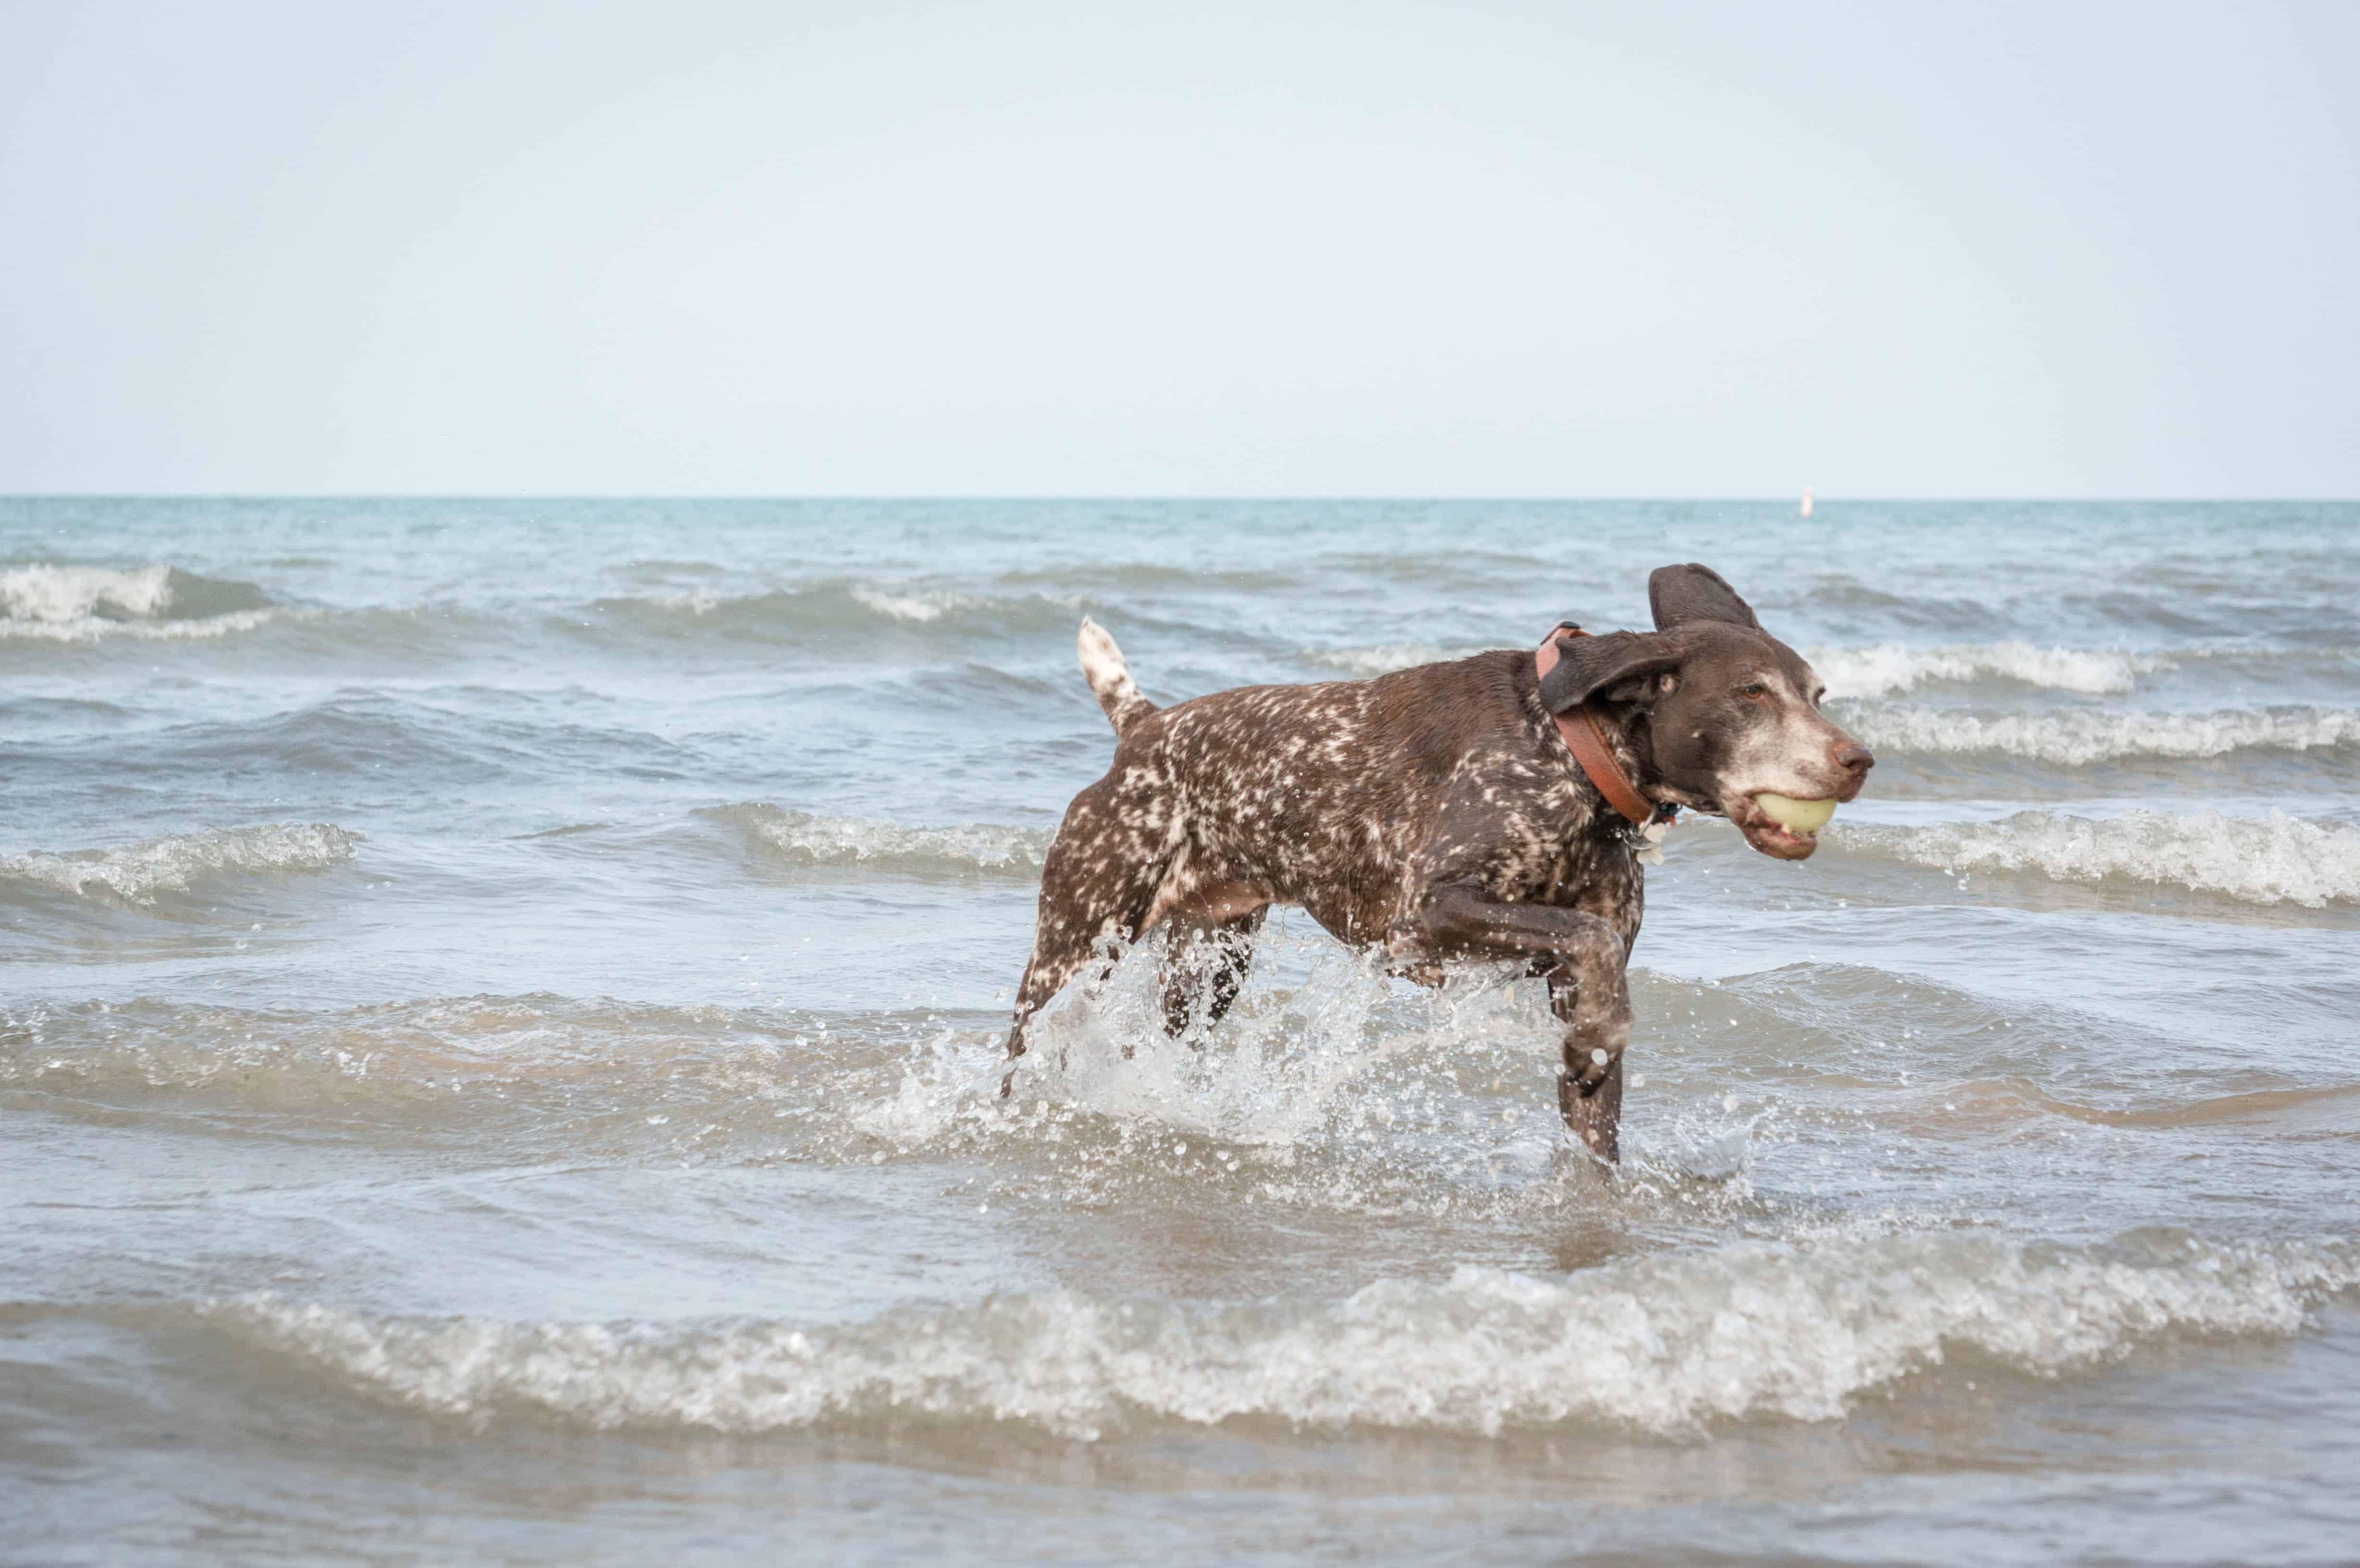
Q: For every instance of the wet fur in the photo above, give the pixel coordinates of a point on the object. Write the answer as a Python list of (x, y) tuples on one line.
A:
[(1434, 813)]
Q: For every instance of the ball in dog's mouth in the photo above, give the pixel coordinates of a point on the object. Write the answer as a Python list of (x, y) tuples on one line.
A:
[(1783, 826), (1805, 817)]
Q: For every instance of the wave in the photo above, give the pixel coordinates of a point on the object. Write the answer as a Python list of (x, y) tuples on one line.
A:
[(1098, 579), (919, 607), (2270, 859), (1779, 1330), (1330, 1093), (1886, 669), (83, 603), (2079, 737), (581, 1072), (1301, 1105), (824, 610), (1876, 670), (174, 862), (1384, 657), (806, 838)]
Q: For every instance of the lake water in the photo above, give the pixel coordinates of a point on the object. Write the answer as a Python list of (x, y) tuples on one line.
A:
[(503, 999)]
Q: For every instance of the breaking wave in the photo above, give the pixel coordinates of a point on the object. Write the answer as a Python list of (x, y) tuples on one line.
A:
[(174, 862), (1385, 658), (1886, 669), (2266, 859), (1793, 1329), (806, 838), (83, 603), (2082, 737), (918, 607)]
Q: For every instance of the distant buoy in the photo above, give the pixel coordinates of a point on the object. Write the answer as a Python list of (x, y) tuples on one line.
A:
[(1807, 500)]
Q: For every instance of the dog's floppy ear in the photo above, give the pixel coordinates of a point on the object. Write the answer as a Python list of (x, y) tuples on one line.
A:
[(1591, 667), (1694, 592)]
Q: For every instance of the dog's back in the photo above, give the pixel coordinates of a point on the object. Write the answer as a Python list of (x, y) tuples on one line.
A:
[(1311, 794)]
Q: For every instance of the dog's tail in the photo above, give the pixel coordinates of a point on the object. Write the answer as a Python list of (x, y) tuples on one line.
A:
[(1109, 678)]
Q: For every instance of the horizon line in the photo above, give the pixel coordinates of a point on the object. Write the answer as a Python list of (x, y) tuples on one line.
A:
[(1241, 498)]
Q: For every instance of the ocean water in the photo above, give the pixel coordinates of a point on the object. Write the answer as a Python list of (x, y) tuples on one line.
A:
[(502, 1003)]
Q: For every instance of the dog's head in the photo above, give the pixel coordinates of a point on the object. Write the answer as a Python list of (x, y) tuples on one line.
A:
[(1721, 713)]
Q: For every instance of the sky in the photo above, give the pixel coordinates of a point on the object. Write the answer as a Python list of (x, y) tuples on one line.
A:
[(704, 248)]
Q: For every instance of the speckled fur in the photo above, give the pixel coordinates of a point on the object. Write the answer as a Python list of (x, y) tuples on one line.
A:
[(1434, 813)]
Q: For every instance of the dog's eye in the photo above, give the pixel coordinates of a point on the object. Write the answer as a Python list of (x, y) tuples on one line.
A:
[(1753, 689)]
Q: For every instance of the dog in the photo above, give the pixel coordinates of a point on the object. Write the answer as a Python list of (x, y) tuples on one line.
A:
[(1492, 808)]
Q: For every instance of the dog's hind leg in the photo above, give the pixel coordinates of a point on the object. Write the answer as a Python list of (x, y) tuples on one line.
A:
[(1097, 885), (1207, 959)]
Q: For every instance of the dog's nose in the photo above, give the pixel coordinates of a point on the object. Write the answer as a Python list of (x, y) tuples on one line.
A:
[(1852, 757)]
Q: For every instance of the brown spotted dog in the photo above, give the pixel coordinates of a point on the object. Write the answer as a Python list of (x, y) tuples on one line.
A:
[(1439, 813)]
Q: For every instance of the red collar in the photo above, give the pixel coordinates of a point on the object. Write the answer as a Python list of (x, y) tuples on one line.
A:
[(1587, 740)]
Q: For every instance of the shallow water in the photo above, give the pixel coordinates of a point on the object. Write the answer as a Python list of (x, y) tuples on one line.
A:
[(503, 1001)]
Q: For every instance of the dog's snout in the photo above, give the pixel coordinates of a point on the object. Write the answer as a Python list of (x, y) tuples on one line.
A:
[(1854, 760)]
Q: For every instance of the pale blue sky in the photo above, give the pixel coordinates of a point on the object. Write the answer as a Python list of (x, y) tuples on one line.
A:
[(1271, 249)]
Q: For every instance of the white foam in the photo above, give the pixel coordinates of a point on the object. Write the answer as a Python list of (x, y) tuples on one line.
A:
[(1886, 668), (1793, 1329), (808, 838), (920, 607), (91, 629), (2269, 860), (174, 862), (2079, 737), (83, 603), (1384, 657), (74, 592)]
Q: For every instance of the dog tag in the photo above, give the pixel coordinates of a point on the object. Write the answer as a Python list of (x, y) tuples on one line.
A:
[(1651, 843)]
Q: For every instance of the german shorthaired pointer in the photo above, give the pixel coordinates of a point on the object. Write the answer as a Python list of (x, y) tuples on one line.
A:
[(1492, 808)]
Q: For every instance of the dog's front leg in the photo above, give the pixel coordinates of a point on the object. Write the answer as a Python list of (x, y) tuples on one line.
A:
[(1583, 957), (1593, 1109)]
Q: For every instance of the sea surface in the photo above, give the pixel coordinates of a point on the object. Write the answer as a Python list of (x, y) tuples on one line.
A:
[(500, 1007)]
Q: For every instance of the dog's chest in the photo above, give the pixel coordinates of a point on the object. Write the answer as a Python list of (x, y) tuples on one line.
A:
[(1554, 849), (1550, 864)]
